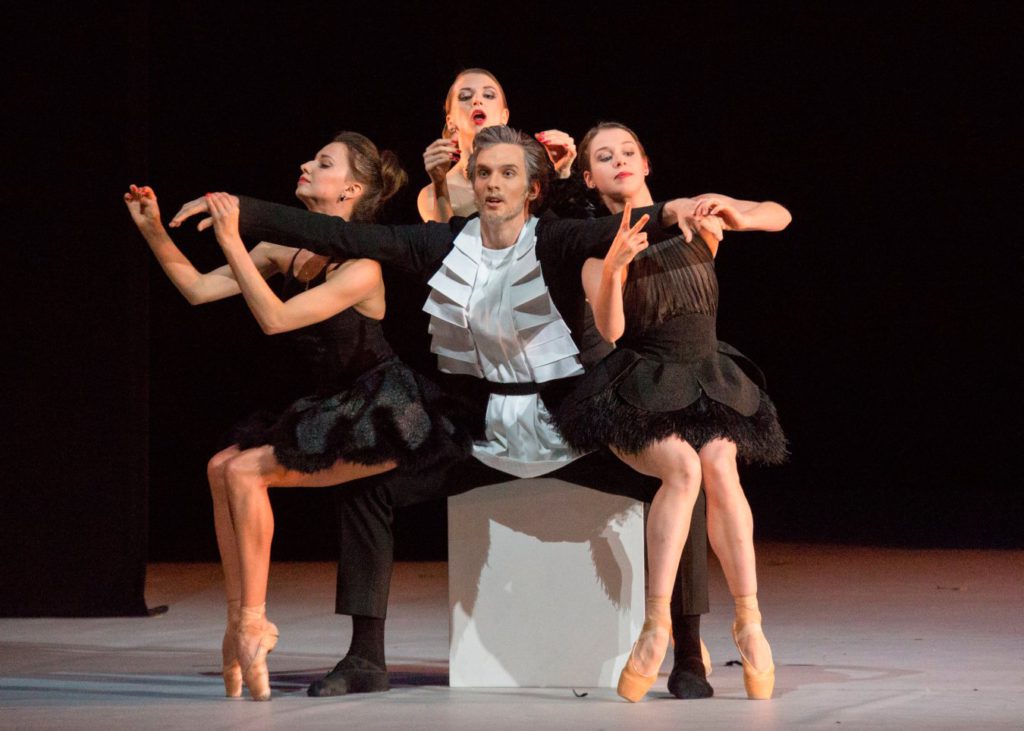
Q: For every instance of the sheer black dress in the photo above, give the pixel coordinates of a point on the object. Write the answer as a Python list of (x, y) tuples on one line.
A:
[(368, 407), (669, 373)]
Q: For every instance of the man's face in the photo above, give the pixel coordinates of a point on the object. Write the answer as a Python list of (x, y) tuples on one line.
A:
[(500, 185)]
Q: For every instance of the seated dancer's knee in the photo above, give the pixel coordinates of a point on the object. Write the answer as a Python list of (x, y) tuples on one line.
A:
[(718, 459)]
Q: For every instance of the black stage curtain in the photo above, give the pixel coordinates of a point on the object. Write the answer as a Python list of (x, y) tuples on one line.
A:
[(886, 316), (74, 534)]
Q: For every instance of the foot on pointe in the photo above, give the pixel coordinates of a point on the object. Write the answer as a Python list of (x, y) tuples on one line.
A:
[(256, 638)]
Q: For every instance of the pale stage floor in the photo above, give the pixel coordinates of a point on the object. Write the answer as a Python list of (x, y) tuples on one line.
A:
[(864, 638)]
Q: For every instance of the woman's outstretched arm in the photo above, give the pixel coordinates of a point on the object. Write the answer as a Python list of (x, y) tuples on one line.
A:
[(353, 282), (712, 214), (416, 249), (195, 286)]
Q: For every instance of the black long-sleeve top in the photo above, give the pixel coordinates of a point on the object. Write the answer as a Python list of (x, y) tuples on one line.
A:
[(563, 245)]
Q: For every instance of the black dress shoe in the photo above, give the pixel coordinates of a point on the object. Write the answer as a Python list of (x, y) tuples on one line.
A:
[(688, 680), (351, 675)]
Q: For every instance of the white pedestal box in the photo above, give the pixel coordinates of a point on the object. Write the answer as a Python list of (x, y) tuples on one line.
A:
[(545, 585)]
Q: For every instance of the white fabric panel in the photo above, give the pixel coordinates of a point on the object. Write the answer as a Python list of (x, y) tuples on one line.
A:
[(487, 329)]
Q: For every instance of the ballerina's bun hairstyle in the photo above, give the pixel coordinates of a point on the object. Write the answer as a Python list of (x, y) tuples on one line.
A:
[(379, 172), (451, 92), (588, 139), (538, 167)]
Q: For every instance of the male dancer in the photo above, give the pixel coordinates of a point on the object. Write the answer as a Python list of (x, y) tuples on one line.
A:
[(506, 302)]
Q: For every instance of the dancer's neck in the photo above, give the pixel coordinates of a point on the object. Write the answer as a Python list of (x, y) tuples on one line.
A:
[(641, 199), (501, 234)]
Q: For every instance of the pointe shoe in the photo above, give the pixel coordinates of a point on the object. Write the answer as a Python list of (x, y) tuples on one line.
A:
[(759, 684), (633, 685), (256, 637), (231, 670)]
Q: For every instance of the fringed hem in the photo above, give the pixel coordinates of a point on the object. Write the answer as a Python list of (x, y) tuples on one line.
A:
[(390, 414), (607, 420)]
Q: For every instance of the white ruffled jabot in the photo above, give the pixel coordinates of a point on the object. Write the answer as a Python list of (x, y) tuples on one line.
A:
[(529, 342)]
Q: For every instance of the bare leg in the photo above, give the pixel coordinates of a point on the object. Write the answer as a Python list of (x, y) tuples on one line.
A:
[(216, 472), (677, 465), (731, 532), (730, 523), (228, 547), (248, 475)]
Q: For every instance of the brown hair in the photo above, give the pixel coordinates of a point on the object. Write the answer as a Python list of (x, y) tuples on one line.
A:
[(588, 138), (379, 172), (451, 88), (538, 167)]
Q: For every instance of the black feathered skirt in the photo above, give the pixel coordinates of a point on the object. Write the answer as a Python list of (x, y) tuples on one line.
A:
[(675, 380), (389, 413)]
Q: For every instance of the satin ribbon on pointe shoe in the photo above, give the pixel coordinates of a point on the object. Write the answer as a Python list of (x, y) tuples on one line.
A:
[(633, 685), (257, 637), (759, 684)]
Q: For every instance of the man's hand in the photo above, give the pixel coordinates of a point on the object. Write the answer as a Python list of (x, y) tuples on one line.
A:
[(193, 208), (224, 213), (730, 215), (676, 212)]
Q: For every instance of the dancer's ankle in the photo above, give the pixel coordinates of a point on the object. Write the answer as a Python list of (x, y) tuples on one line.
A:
[(657, 611), (653, 642), (253, 616), (748, 633), (747, 610)]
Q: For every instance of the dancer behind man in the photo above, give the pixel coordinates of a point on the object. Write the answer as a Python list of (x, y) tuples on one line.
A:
[(475, 101), (370, 413), (506, 298), (672, 401)]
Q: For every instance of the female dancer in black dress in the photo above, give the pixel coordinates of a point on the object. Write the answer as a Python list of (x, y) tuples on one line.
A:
[(672, 401), (369, 413)]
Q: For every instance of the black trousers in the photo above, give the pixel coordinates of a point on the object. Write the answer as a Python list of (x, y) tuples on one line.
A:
[(366, 537)]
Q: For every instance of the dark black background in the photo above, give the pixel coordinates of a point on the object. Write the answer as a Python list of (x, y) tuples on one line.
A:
[(887, 316)]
